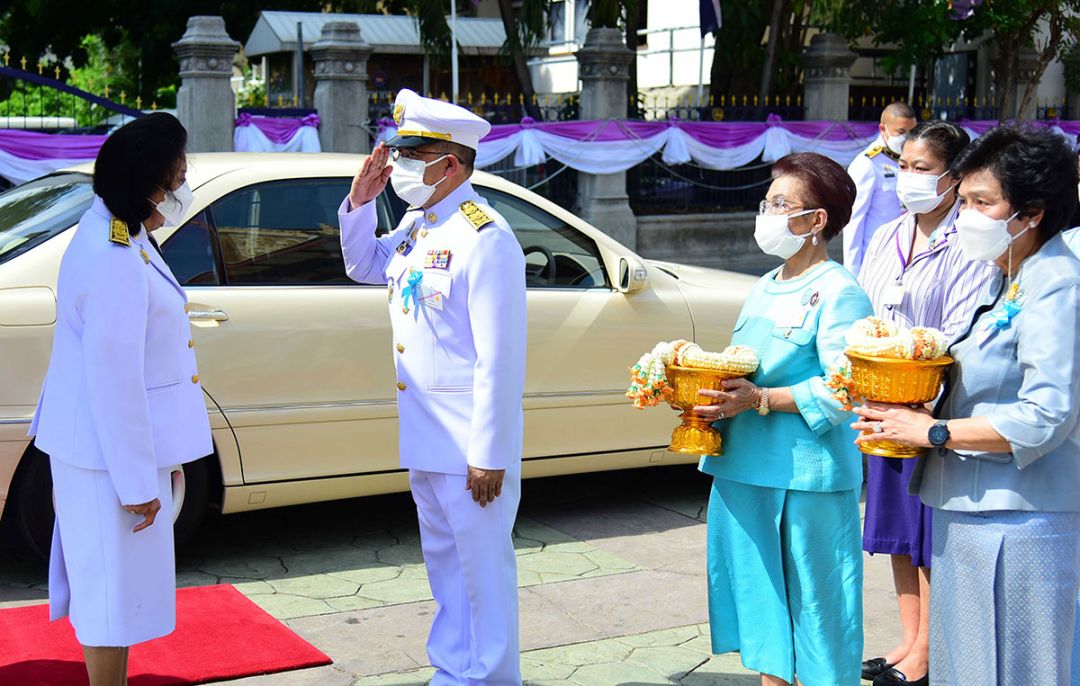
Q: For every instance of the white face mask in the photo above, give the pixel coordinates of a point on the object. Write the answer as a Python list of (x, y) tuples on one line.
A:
[(775, 238), (176, 204), (918, 192), (984, 238), (896, 143), (407, 178)]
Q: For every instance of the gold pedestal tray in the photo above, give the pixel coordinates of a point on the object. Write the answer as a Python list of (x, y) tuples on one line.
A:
[(898, 382), (695, 436)]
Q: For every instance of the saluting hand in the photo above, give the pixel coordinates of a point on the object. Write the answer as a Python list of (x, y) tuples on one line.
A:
[(485, 484), (370, 181), (147, 510)]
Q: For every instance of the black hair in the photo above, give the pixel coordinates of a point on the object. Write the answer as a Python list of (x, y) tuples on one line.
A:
[(1035, 167), (945, 139), (136, 160), (828, 186)]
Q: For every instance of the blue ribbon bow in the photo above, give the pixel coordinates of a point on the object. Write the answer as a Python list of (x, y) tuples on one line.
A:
[(412, 290), (1003, 316)]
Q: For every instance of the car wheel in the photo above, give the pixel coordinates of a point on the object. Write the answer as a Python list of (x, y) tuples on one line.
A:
[(33, 508)]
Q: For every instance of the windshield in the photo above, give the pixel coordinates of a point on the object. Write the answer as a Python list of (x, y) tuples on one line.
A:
[(34, 212)]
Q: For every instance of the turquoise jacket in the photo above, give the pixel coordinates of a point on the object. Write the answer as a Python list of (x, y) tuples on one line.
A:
[(798, 329)]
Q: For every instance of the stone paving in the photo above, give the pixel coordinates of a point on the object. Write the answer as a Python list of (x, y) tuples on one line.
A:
[(611, 569)]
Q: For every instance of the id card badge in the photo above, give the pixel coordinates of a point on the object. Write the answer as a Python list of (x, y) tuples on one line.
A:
[(795, 319), (436, 289), (893, 295)]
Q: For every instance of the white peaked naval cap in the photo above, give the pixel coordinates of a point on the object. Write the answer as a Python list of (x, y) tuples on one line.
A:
[(422, 121)]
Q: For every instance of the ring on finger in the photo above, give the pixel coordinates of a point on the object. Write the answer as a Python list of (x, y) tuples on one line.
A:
[(721, 415), (878, 428)]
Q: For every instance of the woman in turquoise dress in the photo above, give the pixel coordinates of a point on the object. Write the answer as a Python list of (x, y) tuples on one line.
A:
[(784, 548)]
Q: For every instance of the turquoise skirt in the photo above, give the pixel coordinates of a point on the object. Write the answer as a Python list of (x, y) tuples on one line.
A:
[(785, 581)]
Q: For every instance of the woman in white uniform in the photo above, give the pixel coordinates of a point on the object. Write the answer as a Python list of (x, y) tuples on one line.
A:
[(121, 402)]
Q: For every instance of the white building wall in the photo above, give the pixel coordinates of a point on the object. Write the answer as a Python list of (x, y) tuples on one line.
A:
[(671, 57)]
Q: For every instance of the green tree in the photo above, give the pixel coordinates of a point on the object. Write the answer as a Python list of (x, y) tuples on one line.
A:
[(917, 32)]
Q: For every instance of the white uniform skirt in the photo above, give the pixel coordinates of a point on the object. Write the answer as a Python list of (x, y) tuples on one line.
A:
[(117, 587)]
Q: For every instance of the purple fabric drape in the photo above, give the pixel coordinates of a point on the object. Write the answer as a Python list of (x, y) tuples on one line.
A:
[(277, 130), (32, 145)]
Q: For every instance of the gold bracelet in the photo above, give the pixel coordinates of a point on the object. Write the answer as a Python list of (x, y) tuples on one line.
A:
[(763, 402)]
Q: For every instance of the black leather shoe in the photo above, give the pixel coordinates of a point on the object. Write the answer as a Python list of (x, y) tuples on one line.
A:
[(894, 677), (873, 667)]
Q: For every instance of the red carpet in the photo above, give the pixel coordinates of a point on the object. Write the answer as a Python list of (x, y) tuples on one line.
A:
[(220, 634)]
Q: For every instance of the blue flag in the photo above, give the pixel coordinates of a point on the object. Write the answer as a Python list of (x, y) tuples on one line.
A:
[(710, 16)]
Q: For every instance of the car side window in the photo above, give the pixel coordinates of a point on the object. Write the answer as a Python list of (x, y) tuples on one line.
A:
[(285, 232), (556, 254), (189, 252)]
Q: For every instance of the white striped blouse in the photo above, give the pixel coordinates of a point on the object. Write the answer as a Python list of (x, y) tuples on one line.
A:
[(939, 287)]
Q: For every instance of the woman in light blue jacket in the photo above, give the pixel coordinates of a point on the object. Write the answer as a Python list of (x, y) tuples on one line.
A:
[(1003, 471), (785, 554)]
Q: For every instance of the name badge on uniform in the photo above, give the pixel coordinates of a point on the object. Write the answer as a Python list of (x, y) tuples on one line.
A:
[(437, 259), (893, 295), (436, 289), (795, 319), (888, 183)]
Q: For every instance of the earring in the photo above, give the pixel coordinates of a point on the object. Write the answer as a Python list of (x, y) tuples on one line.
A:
[(813, 239)]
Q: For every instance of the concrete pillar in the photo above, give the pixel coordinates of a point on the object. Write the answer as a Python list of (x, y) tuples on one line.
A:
[(205, 103), (341, 94), (604, 68), (828, 77)]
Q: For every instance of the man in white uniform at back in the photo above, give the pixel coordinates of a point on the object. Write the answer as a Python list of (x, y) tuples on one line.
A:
[(874, 173), (455, 279)]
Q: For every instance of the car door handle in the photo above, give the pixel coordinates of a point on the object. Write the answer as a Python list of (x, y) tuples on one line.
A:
[(208, 316)]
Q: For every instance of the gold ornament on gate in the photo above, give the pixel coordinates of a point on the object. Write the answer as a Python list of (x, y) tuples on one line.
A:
[(674, 372), (887, 363)]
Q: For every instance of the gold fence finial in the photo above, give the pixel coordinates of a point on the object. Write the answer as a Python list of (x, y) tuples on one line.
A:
[(123, 97), (106, 91), (521, 99), (138, 102), (40, 69), (7, 58), (712, 100), (57, 72), (535, 100), (153, 106), (23, 63)]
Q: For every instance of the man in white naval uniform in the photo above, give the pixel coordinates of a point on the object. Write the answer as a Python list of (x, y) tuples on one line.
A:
[(874, 173), (455, 277)]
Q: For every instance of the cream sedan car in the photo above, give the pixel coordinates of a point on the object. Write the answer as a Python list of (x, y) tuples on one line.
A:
[(296, 359)]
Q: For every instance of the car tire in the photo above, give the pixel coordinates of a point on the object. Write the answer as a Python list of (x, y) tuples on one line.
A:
[(33, 511)]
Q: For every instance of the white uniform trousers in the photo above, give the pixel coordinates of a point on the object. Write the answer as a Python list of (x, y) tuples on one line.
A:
[(472, 570)]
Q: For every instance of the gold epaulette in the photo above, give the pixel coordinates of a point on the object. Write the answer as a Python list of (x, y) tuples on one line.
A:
[(875, 151), (476, 216), (118, 232)]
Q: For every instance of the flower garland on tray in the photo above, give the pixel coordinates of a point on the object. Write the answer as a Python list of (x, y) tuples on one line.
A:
[(648, 378)]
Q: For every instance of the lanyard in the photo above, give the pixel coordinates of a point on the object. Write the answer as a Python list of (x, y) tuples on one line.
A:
[(930, 250)]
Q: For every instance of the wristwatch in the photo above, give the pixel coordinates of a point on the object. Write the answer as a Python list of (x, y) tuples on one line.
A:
[(939, 434)]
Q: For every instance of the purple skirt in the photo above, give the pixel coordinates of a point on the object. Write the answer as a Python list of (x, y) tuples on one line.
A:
[(896, 523)]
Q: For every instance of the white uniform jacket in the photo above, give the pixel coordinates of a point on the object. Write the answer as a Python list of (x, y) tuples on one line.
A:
[(874, 173), (455, 277), (122, 392)]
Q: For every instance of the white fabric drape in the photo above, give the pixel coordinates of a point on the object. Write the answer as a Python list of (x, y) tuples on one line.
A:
[(531, 146), (251, 139), (18, 170)]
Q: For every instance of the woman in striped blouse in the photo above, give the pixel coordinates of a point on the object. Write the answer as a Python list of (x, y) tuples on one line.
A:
[(915, 275)]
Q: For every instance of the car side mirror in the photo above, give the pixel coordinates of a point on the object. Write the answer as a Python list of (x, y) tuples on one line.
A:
[(633, 276)]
